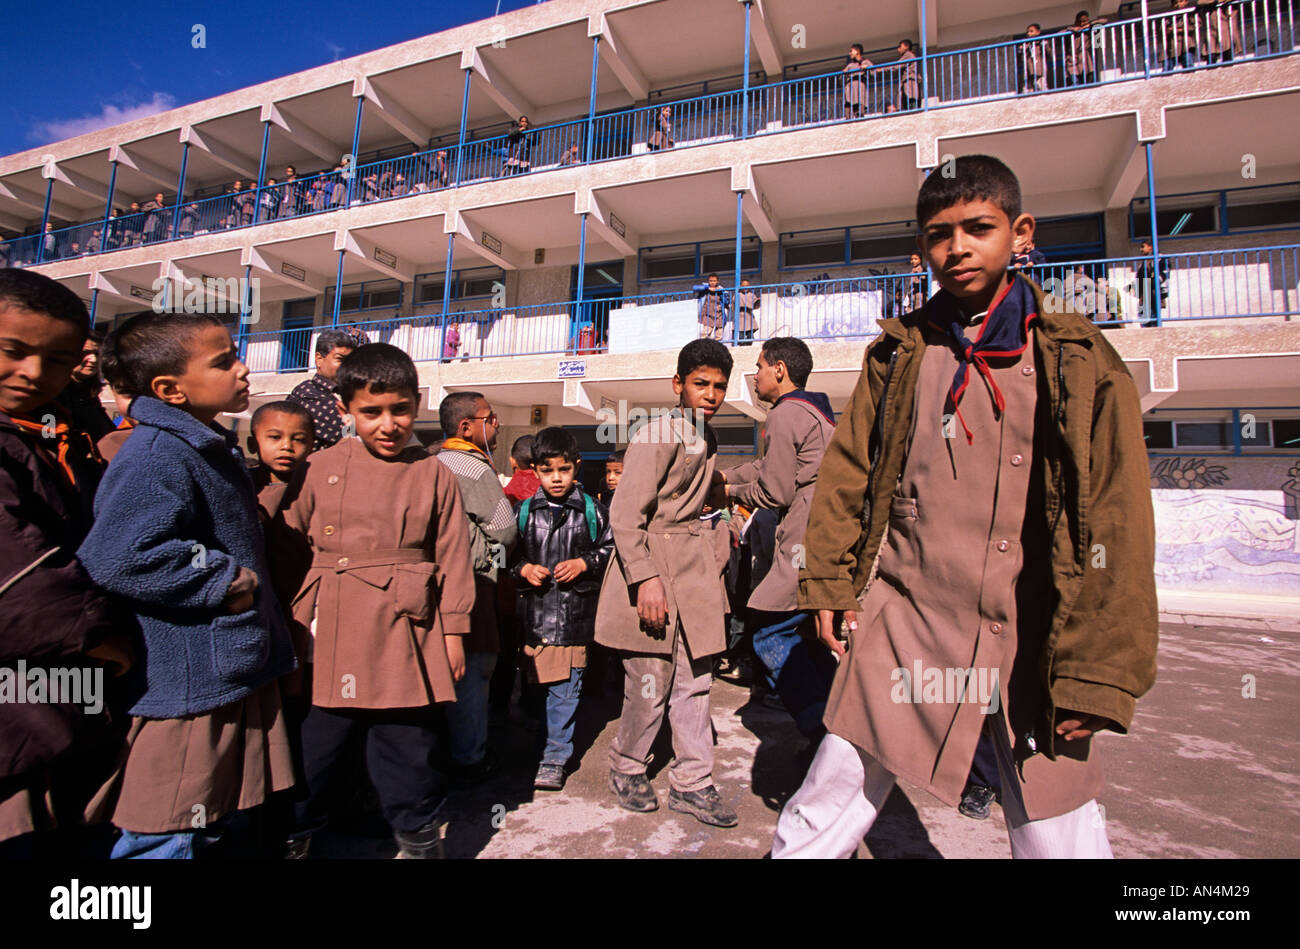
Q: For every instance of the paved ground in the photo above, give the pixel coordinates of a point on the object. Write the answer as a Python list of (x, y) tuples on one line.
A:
[(1206, 772)]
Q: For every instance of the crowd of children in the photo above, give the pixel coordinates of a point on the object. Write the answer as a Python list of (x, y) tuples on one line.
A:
[(249, 624)]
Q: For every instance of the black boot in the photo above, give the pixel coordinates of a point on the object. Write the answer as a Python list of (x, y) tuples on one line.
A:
[(422, 844)]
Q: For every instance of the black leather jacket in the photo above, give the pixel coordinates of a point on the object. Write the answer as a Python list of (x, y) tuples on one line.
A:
[(561, 614)]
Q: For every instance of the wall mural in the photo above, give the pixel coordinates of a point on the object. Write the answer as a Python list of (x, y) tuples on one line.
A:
[(1227, 525)]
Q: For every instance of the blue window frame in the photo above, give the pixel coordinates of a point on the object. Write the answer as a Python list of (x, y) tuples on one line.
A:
[(665, 262), (466, 284), (368, 295), (1247, 210)]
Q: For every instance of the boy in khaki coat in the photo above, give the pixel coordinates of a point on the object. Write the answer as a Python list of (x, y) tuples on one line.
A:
[(387, 600), (663, 600), (795, 435), (990, 473)]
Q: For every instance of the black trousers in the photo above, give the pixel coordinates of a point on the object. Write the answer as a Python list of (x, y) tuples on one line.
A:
[(400, 745)]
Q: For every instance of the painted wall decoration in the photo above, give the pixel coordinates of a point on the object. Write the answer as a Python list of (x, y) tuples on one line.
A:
[(1227, 525)]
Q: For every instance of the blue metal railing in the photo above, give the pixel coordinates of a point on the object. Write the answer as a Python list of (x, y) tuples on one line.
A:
[(1219, 284), (538, 148), (416, 173), (1176, 40)]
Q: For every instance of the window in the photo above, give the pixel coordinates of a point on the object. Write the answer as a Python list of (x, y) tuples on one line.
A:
[(840, 246), (1262, 208), (722, 259), (365, 296), (471, 282), (483, 282), (1070, 238), (1213, 435), (882, 242), (1286, 433), (1158, 434), (1218, 435), (1256, 208), (690, 261), (812, 249), (1182, 216), (664, 263), (737, 441)]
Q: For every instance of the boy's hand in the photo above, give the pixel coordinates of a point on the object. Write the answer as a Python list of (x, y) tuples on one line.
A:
[(456, 656), (239, 597), (536, 574), (652, 605), (828, 624), (1074, 725), (566, 571)]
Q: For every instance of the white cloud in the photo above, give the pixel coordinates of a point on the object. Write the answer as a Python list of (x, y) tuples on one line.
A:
[(108, 115), (335, 50)]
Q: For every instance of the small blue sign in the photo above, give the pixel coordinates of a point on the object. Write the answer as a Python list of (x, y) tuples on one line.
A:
[(572, 369)]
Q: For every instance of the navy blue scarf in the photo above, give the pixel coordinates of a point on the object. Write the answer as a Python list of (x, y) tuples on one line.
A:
[(817, 400), (1004, 333)]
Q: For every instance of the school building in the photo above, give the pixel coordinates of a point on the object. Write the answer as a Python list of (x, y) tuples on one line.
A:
[(668, 139)]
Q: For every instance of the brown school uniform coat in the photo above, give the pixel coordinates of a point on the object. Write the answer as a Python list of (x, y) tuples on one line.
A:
[(794, 441), (655, 518), (954, 590), (390, 575)]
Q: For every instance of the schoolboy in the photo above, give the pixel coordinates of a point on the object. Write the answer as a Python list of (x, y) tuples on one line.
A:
[(281, 436), (523, 481), (613, 472), (999, 438), (111, 367), (795, 435), (565, 543), (663, 601), (177, 537), (387, 601), (50, 613)]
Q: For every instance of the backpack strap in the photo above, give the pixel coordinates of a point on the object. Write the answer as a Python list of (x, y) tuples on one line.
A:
[(589, 511), (523, 515), (591, 515)]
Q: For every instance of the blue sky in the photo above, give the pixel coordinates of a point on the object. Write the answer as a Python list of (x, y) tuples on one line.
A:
[(73, 65)]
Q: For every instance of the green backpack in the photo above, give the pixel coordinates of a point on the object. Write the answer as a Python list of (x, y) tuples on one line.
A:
[(588, 504)]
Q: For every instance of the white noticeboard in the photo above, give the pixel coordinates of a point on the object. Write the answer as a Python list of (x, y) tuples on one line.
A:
[(639, 329)]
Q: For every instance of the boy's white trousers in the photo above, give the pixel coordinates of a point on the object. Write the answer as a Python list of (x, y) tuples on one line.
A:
[(846, 788)]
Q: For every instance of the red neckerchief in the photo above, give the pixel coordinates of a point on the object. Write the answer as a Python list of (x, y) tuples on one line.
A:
[(1004, 333)]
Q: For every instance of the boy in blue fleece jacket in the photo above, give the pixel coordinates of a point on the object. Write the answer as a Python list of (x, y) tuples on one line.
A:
[(177, 538)]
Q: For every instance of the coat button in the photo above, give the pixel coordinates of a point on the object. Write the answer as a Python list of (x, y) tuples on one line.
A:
[(329, 529), (332, 479), (1017, 459), (1003, 545), (677, 494), (995, 628), (343, 561), (1027, 371)]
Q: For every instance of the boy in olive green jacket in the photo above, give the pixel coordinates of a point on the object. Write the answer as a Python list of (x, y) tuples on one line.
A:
[(999, 439)]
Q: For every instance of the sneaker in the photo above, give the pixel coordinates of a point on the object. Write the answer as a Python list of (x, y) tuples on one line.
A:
[(705, 805), (295, 848), (634, 792), (422, 844), (975, 802), (550, 777)]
